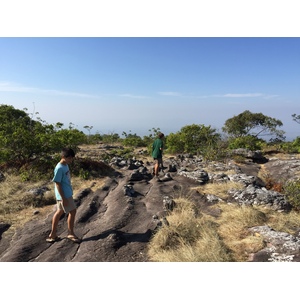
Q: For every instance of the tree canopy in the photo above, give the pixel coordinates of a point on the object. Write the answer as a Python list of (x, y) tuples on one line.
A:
[(192, 139), (23, 139), (254, 124), (296, 118)]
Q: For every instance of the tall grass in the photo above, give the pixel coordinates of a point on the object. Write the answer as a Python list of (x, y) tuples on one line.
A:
[(18, 204), (233, 229), (189, 237), (219, 189), (194, 236)]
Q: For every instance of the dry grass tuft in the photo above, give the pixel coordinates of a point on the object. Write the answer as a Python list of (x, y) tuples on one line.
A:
[(219, 189), (191, 237), (188, 238), (233, 228), (15, 194), (18, 205), (285, 222)]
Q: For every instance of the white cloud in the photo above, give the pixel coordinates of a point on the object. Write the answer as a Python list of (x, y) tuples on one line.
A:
[(170, 94), (133, 96), (270, 96), (250, 95), (6, 86), (243, 95), (229, 95)]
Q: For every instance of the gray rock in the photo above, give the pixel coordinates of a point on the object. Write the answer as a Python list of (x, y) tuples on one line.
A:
[(282, 247), (2, 177)]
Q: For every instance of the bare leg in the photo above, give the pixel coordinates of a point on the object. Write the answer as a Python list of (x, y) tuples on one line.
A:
[(71, 221), (156, 168), (55, 221)]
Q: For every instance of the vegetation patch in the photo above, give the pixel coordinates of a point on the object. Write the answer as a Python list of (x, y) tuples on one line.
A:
[(292, 193), (219, 189), (188, 238), (86, 168), (195, 236)]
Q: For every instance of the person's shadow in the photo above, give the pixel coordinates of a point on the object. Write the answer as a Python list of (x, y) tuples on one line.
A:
[(122, 237)]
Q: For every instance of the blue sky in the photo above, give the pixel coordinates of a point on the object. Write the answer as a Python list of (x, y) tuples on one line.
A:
[(128, 66), (188, 62), (134, 84)]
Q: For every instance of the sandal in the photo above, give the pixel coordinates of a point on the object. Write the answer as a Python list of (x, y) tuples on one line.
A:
[(74, 239), (53, 240)]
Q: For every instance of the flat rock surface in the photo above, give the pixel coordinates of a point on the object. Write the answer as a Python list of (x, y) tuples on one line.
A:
[(117, 220), (113, 226)]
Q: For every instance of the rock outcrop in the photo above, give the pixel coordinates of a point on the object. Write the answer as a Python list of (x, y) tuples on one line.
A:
[(117, 220)]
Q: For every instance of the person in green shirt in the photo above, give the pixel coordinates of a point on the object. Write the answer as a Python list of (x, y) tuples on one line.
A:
[(157, 150)]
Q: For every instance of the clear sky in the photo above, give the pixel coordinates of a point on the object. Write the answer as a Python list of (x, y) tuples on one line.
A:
[(121, 84), (123, 66), (148, 64)]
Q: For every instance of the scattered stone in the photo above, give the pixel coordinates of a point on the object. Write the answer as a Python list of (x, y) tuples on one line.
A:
[(168, 203), (213, 198), (167, 177), (129, 190), (3, 228), (39, 191), (200, 176), (2, 177)]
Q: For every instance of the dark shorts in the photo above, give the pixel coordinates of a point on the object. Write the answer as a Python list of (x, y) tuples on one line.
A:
[(159, 160)]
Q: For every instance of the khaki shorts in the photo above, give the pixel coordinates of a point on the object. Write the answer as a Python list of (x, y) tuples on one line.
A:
[(71, 205)]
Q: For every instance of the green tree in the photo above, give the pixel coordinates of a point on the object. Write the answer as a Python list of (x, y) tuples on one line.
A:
[(175, 143), (193, 139), (20, 136), (132, 140), (67, 137), (23, 139), (96, 138), (88, 128), (249, 142), (110, 137), (296, 118), (255, 124)]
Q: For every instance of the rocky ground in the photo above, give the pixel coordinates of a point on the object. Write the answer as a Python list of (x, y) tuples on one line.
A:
[(117, 220)]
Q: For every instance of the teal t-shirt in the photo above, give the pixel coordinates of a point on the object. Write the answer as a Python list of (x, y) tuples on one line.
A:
[(156, 152), (62, 175)]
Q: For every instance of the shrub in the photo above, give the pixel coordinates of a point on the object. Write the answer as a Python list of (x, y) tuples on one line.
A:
[(292, 193), (271, 183), (133, 140), (87, 168), (249, 142), (291, 147), (194, 139)]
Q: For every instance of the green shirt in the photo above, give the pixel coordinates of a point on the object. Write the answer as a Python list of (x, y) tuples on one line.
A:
[(156, 146)]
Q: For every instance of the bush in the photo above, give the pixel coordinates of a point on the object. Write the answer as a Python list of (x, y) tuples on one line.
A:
[(291, 147), (133, 140), (292, 193), (249, 142), (174, 143), (194, 139), (23, 139), (87, 168)]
